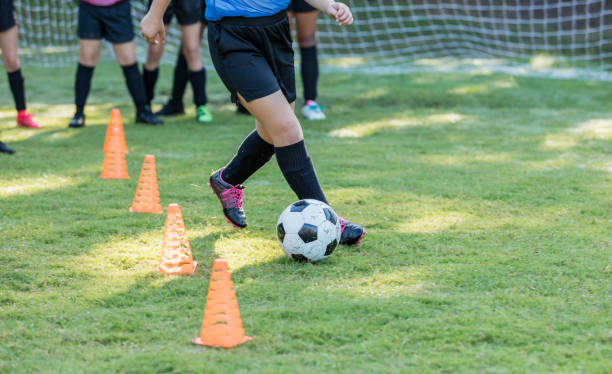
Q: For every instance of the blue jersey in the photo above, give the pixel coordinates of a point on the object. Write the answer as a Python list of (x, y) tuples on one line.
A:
[(217, 9)]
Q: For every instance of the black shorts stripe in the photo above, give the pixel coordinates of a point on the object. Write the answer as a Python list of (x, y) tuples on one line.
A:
[(7, 15), (113, 23)]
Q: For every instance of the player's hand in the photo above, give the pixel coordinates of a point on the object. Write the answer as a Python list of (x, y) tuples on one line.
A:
[(341, 12), (152, 29)]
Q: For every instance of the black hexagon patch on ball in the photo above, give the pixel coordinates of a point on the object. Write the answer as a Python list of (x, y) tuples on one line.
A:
[(299, 206), (330, 215), (280, 232), (330, 247), (299, 258), (308, 233)]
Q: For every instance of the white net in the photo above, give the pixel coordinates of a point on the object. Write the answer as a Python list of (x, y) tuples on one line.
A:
[(554, 38)]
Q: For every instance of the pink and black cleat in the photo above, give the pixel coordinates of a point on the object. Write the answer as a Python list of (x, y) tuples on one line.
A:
[(24, 119), (350, 233), (230, 198)]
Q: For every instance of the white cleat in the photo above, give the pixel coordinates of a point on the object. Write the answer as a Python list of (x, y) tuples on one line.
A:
[(313, 111)]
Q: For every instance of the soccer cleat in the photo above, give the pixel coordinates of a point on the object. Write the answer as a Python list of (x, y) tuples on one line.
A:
[(313, 111), (147, 117), (203, 115), (6, 149), (77, 121), (171, 108), (350, 233), (24, 119), (231, 199)]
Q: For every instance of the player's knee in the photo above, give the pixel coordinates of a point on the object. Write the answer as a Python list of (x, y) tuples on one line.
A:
[(192, 52), (305, 41), (11, 63)]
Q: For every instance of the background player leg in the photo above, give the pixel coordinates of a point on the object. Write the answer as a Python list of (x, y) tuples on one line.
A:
[(306, 27), (197, 74), (150, 70), (10, 60), (89, 52), (126, 57)]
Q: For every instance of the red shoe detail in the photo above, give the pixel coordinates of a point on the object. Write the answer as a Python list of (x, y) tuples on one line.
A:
[(24, 119)]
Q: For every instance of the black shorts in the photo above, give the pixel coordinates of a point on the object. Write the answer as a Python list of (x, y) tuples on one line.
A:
[(187, 12), (113, 23), (7, 15), (300, 6), (253, 56)]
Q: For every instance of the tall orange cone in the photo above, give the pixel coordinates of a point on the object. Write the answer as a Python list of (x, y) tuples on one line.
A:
[(221, 326), (176, 253), (146, 198), (114, 166), (115, 137)]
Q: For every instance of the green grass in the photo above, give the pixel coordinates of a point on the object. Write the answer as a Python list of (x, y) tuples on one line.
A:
[(487, 201)]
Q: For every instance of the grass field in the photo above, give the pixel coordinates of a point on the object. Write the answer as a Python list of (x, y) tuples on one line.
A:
[(487, 200)]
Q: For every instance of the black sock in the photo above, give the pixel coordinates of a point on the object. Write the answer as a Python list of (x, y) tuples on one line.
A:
[(181, 77), (299, 172), (253, 153), (17, 88), (150, 79), (82, 84), (310, 72), (135, 85), (198, 84)]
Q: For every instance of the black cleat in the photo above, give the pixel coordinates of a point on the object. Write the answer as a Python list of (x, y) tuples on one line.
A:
[(231, 199), (350, 233), (77, 121), (171, 108), (6, 149), (147, 117), (242, 110)]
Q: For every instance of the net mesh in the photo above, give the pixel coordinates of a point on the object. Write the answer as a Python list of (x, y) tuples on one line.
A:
[(555, 38)]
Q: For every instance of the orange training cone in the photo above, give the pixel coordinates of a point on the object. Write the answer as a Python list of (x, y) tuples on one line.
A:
[(221, 326), (114, 166), (115, 137), (176, 254), (146, 199)]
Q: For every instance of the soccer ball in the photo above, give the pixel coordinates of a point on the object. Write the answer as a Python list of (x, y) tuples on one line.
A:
[(308, 230)]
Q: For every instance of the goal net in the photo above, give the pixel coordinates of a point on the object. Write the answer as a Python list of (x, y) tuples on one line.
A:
[(541, 37)]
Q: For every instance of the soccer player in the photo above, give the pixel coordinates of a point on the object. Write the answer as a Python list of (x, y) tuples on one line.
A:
[(10, 60), (250, 46), (112, 20), (190, 16), (6, 149), (306, 26)]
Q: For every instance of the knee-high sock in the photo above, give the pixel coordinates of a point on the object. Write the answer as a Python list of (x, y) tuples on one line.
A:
[(18, 89), (150, 79), (198, 84), (299, 171), (310, 72), (82, 84), (252, 154), (135, 85), (181, 77)]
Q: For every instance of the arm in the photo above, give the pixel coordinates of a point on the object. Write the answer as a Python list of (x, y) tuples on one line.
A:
[(341, 12), (152, 25)]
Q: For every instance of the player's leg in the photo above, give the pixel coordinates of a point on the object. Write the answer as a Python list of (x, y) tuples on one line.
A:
[(89, 52), (197, 74), (150, 70), (175, 106), (306, 27), (118, 30), (126, 57), (10, 60)]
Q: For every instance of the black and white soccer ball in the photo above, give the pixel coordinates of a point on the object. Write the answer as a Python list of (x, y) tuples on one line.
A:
[(308, 230)]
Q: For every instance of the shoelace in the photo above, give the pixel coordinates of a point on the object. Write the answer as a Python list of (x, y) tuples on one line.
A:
[(234, 195)]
